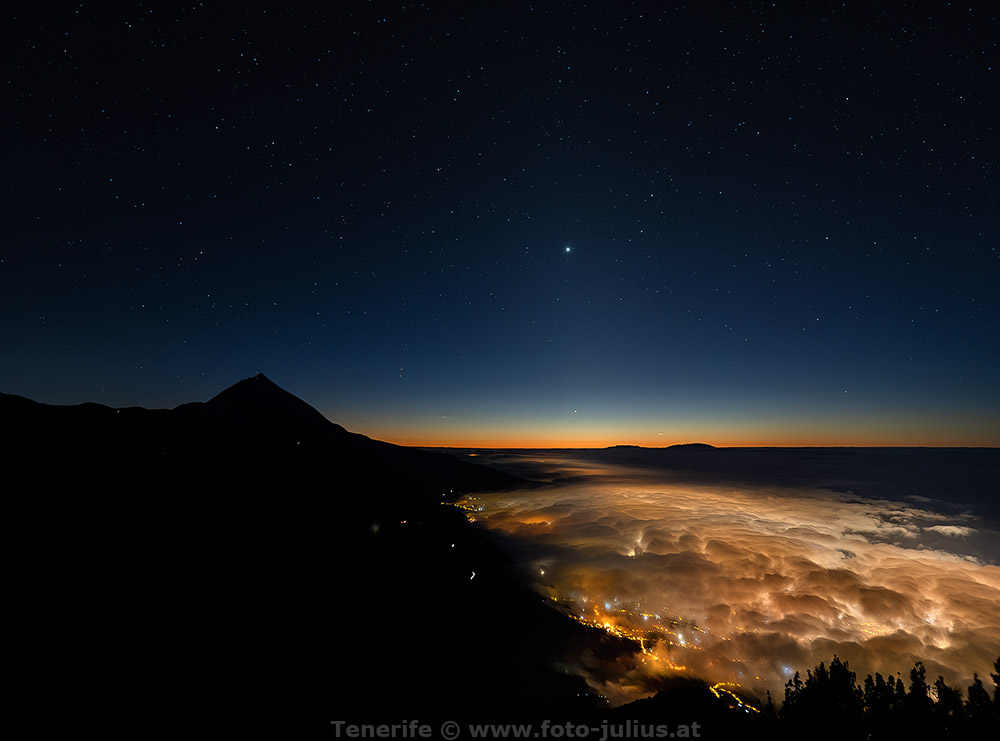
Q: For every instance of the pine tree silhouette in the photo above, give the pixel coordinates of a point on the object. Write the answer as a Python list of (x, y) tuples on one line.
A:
[(995, 676), (829, 704), (949, 710)]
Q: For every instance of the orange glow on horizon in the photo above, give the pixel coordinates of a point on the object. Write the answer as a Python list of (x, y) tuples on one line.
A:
[(740, 432), (568, 442)]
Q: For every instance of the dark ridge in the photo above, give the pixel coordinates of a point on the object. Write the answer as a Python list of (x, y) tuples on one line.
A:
[(691, 446), (244, 563), (256, 413), (259, 402), (251, 429)]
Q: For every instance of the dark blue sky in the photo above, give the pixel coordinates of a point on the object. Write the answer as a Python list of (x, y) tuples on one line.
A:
[(522, 224)]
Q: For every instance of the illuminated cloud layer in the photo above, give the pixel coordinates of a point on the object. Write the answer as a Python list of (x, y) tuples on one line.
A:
[(746, 584)]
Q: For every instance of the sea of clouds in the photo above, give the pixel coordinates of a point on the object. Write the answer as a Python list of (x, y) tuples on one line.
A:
[(748, 582)]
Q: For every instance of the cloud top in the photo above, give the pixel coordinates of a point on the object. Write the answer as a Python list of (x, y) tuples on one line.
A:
[(748, 582)]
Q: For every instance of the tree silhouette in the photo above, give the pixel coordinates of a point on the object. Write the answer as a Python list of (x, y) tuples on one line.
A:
[(769, 722), (978, 702), (829, 704), (879, 704), (983, 719), (949, 710), (900, 693), (995, 676)]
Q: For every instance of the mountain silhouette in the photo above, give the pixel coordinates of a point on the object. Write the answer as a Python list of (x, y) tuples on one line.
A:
[(260, 406), (246, 562), (254, 432)]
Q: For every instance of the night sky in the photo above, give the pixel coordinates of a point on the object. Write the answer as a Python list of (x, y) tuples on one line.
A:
[(554, 225)]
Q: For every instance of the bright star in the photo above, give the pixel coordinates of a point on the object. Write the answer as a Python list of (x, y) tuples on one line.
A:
[(568, 248)]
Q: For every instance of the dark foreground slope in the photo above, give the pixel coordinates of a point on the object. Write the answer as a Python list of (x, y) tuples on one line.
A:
[(245, 568), (244, 565)]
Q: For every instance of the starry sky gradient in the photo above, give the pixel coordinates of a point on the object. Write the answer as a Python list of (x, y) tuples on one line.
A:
[(513, 224)]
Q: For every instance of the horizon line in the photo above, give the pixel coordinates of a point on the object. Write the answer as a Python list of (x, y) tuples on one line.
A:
[(708, 446)]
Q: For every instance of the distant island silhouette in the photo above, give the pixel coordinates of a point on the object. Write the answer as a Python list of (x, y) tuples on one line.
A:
[(688, 446)]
